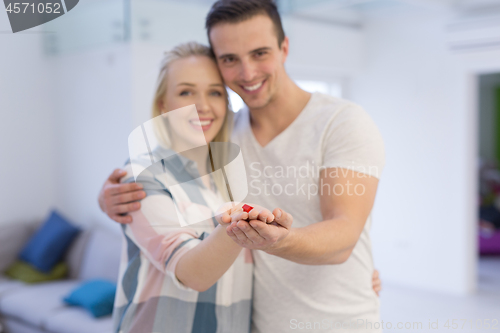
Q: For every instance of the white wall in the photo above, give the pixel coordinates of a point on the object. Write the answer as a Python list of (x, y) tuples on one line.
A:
[(26, 127), (320, 50), (158, 26), (66, 116), (422, 97), (89, 72), (94, 119)]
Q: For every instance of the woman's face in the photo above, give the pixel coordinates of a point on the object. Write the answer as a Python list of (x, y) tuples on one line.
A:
[(194, 80)]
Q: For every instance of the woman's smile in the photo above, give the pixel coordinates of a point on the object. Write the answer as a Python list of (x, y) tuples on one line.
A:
[(201, 124)]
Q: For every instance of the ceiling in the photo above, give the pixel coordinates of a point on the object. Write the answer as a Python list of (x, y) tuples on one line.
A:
[(354, 10)]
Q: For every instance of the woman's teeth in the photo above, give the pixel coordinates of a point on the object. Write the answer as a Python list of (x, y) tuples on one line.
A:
[(254, 87), (201, 122)]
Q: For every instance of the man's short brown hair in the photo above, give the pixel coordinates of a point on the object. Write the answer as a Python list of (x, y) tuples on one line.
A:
[(235, 11)]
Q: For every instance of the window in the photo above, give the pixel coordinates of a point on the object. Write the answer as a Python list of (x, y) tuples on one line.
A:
[(235, 100), (334, 89)]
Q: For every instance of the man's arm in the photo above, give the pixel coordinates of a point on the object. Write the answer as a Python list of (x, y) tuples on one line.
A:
[(117, 200), (330, 241)]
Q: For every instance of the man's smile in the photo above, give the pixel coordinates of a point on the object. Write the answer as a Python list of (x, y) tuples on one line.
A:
[(253, 88)]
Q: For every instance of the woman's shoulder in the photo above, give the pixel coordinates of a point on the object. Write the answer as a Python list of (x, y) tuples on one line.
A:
[(148, 166), (143, 171)]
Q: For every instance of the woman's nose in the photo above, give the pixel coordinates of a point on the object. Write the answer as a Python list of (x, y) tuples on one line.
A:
[(202, 106)]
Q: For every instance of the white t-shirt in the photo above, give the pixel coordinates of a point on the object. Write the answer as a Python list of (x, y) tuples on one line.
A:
[(291, 297)]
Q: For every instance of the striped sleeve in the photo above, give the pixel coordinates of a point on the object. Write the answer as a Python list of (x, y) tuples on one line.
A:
[(156, 228)]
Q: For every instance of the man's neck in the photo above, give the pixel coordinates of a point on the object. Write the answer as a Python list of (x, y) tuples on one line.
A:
[(268, 122)]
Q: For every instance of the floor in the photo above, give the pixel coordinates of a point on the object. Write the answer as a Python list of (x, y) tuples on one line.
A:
[(407, 306)]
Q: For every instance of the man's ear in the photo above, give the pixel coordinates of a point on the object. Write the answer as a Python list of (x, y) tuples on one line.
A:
[(285, 48)]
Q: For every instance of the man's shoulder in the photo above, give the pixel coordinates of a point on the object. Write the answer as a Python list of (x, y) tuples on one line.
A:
[(341, 119), (321, 110), (326, 109), (321, 100)]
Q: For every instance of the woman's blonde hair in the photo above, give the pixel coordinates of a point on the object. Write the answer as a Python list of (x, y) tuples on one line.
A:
[(182, 51)]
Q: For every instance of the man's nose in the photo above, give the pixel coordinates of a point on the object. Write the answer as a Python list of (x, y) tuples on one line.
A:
[(247, 71)]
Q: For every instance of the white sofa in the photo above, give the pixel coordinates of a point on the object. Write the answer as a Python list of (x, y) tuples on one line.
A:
[(39, 307)]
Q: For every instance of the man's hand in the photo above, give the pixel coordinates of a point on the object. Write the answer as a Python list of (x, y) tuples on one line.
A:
[(116, 200), (376, 282), (262, 231)]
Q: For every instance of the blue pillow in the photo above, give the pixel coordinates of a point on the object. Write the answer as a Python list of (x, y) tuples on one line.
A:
[(49, 244), (96, 296)]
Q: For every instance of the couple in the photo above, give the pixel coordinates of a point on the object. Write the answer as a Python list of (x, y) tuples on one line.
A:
[(316, 275)]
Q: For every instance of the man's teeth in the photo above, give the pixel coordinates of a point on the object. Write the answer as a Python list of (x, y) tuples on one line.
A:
[(254, 87), (200, 122)]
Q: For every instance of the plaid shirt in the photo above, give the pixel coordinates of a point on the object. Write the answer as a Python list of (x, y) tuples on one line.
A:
[(149, 296)]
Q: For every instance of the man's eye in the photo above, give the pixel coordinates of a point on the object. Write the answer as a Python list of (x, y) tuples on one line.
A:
[(260, 54), (228, 60)]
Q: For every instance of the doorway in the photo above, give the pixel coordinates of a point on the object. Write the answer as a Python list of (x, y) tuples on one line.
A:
[(489, 183)]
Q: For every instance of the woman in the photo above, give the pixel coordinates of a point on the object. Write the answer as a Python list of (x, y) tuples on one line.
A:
[(183, 279)]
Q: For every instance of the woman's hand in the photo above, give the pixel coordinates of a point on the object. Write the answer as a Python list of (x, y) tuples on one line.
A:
[(234, 212)]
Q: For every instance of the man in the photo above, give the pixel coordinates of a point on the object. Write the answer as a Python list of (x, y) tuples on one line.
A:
[(316, 158)]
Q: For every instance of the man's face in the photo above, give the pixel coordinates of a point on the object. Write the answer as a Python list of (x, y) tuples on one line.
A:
[(249, 58)]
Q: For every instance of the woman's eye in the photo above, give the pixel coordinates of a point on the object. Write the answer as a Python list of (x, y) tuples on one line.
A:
[(185, 93), (216, 93)]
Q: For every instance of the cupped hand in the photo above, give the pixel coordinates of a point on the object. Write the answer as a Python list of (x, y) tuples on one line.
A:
[(233, 212), (253, 233)]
